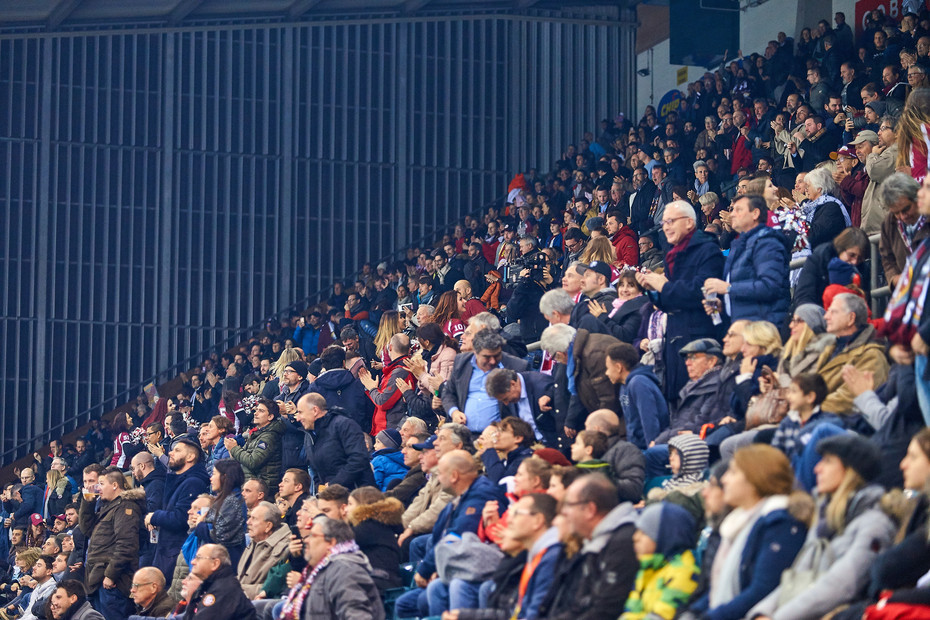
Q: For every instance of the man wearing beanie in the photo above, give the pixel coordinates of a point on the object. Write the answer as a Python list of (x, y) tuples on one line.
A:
[(387, 460), (295, 386)]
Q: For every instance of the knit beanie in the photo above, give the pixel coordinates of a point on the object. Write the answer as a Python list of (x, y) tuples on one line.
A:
[(856, 452), (812, 315), (299, 367), (389, 438), (650, 520)]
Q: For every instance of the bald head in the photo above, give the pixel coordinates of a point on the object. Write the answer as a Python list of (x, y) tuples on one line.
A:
[(457, 471), (603, 420), (150, 573), (147, 583), (460, 461)]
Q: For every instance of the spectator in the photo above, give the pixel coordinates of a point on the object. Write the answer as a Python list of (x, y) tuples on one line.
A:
[(149, 595), (694, 258), (584, 355), (645, 411), (375, 521), (597, 582), (518, 394), (219, 594), (387, 462), (260, 457), (224, 523), (253, 492), (755, 283), (827, 216), (70, 601), (112, 544), (650, 257), (415, 478), (903, 227), (335, 448), (464, 397), (295, 386), (421, 515), (186, 480), (623, 238), (212, 439), (833, 263), (31, 502), (293, 490), (267, 550), (387, 398), (151, 475), (42, 590), (625, 460), (469, 305), (511, 445), (337, 582), (623, 319), (341, 389)]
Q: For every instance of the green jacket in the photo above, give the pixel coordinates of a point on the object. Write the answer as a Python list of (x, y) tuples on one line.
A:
[(260, 457), (662, 585)]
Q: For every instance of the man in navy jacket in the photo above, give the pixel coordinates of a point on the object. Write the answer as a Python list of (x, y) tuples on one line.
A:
[(334, 445)]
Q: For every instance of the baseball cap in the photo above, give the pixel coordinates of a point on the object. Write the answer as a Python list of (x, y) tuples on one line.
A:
[(601, 268), (429, 444)]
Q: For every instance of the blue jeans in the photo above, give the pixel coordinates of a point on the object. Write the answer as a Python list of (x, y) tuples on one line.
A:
[(418, 548), (459, 594), (412, 604), (923, 389), (113, 604)]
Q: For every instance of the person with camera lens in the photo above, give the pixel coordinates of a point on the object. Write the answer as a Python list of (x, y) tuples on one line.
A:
[(532, 277)]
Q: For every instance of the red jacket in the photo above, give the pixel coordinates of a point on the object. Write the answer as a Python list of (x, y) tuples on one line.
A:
[(387, 397), (852, 189), (626, 246), (742, 154)]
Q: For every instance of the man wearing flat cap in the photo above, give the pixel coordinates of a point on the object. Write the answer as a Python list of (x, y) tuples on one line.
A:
[(699, 407)]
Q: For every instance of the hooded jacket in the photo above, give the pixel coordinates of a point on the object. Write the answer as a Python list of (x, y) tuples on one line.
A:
[(597, 586), (666, 578), (757, 270), (388, 466), (628, 467), (376, 527), (341, 389), (260, 457), (843, 569), (259, 557), (626, 246), (113, 539), (171, 519), (645, 410), (344, 590), (699, 405)]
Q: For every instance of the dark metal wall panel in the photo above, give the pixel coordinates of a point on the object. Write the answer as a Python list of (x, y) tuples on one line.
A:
[(166, 189)]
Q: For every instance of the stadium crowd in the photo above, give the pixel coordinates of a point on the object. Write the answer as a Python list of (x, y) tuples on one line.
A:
[(705, 432)]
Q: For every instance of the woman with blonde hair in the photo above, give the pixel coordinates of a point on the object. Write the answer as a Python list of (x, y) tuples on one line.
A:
[(599, 249), (912, 133), (392, 322), (58, 493), (849, 532), (287, 356), (807, 341), (760, 537), (761, 348)]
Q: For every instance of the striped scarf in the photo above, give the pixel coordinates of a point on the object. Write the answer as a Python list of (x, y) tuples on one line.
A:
[(907, 303), (298, 594)]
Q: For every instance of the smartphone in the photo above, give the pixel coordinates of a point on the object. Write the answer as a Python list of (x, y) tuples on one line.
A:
[(406, 306)]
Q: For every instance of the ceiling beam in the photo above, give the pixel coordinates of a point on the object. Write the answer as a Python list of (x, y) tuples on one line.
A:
[(299, 7), (411, 6), (61, 10), (525, 4), (182, 9)]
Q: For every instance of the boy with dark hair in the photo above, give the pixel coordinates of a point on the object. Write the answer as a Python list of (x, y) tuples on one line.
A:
[(587, 451), (511, 446)]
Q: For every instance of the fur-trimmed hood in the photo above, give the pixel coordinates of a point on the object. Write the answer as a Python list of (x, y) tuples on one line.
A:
[(136, 494), (387, 511)]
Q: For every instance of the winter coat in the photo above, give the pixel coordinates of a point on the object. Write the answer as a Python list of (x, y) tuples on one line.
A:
[(681, 299), (662, 585), (406, 490), (341, 389), (220, 597), (160, 607), (596, 585), (154, 486), (171, 519), (260, 457), (113, 539), (31, 504), (863, 353), (878, 166), (651, 259), (892, 248), (390, 407), (86, 612), (593, 389), (388, 466), (460, 516), (226, 526), (843, 570), (421, 515), (624, 325), (852, 190), (259, 557), (344, 590), (645, 410), (629, 468), (57, 498), (626, 246), (757, 270), (826, 223), (699, 405), (815, 276), (336, 452), (903, 564), (376, 527)]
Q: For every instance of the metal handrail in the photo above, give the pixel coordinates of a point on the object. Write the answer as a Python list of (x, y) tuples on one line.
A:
[(124, 396)]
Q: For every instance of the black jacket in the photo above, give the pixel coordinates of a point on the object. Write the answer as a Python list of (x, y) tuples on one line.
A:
[(639, 210), (624, 325), (815, 276), (828, 221), (221, 597), (376, 527), (335, 450), (341, 389)]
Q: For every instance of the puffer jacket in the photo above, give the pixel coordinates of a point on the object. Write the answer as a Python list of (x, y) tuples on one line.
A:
[(863, 353), (388, 466), (344, 590), (260, 457), (260, 557), (628, 466), (226, 526), (376, 527), (699, 405), (113, 539), (336, 453), (843, 569), (171, 519), (757, 270)]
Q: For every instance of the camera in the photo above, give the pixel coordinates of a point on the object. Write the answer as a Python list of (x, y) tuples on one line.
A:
[(535, 262)]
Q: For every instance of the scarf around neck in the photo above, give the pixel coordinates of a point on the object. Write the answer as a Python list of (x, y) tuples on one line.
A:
[(298, 594)]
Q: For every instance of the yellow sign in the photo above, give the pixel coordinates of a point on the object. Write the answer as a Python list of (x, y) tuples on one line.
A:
[(682, 75)]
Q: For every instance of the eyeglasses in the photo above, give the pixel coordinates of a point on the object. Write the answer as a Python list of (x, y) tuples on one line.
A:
[(884, 127), (136, 586), (671, 221), (527, 513)]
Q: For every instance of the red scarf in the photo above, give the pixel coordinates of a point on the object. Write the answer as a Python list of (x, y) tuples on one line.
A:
[(674, 252)]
